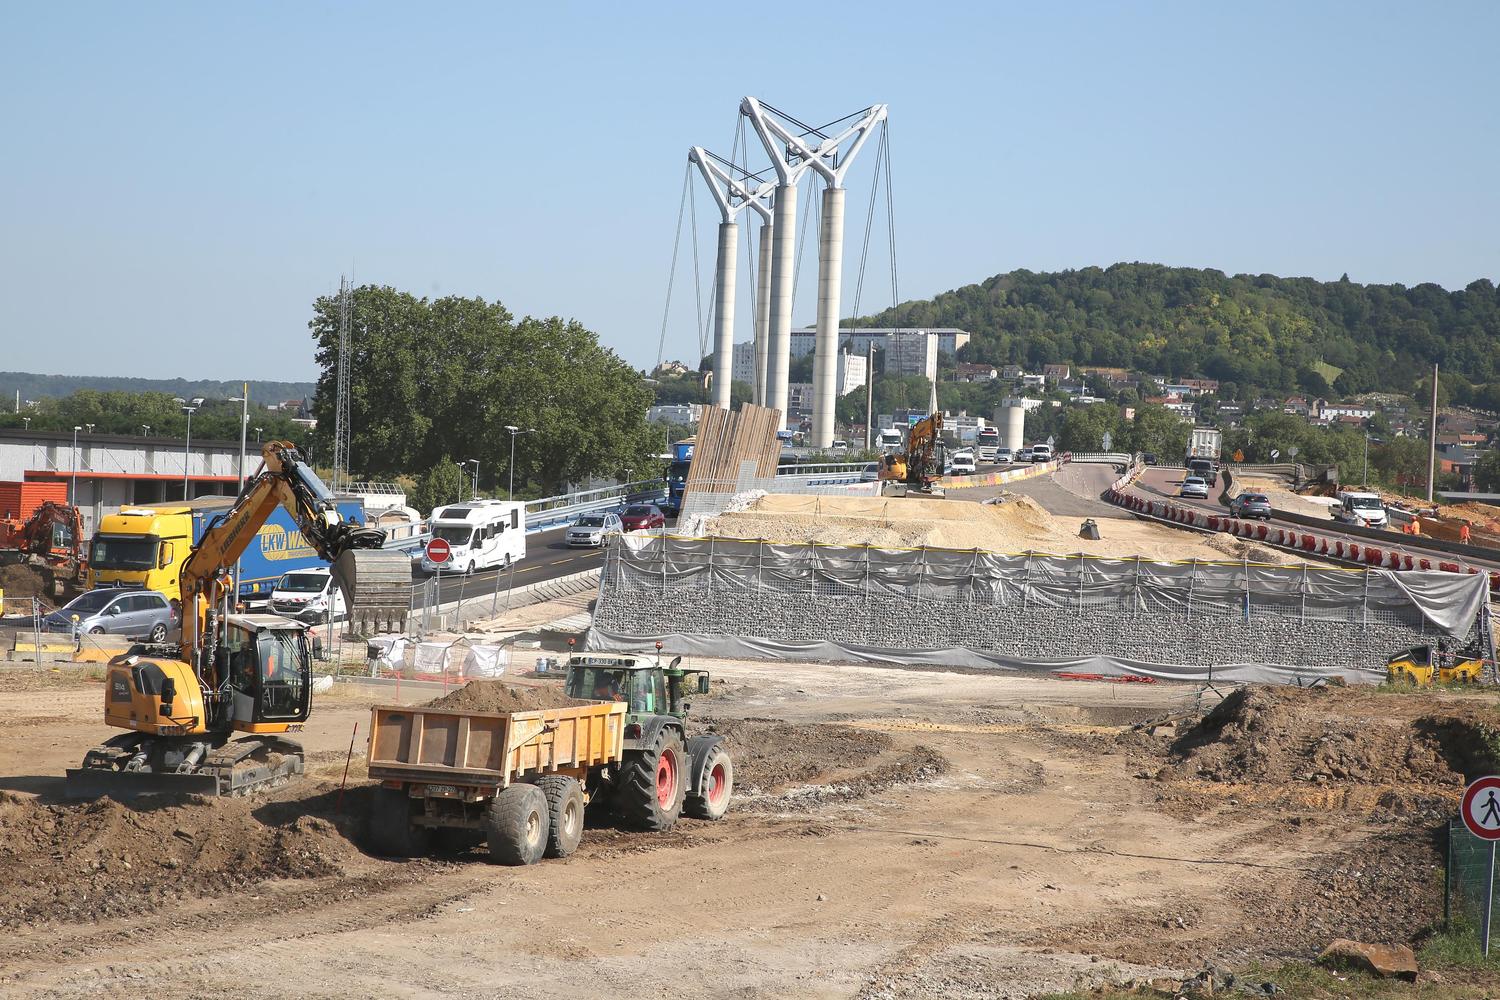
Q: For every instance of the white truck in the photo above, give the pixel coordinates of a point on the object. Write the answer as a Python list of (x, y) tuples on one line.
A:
[(889, 439), (1202, 457), (1362, 509)]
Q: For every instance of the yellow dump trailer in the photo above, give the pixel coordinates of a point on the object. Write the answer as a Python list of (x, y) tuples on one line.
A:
[(518, 780)]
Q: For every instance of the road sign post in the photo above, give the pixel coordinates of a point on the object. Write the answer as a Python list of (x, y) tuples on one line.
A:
[(438, 551), (1481, 814)]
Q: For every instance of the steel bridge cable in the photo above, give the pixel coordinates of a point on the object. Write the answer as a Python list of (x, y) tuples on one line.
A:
[(661, 344), (697, 274), (890, 209), (807, 212), (864, 253)]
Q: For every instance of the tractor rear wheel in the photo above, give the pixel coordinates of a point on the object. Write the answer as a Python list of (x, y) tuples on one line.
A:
[(392, 832), (716, 787), (650, 791), (564, 813), (516, 824)]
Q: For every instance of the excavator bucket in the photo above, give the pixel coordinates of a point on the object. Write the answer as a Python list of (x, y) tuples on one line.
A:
[(376, 584)]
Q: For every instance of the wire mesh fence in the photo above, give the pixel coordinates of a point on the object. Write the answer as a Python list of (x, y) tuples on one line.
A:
[(1468, 885), (1067, 584)]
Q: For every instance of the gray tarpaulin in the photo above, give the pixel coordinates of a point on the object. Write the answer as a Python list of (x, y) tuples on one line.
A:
[(745, 647), (1450, 601)]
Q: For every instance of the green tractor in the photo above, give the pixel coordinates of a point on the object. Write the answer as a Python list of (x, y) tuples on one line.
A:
[(663, 771)]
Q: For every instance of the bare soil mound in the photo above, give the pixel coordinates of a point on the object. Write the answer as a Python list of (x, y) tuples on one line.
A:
[(497, 696), (105, 858), (770, 754), (1280, 734), (20, 582)]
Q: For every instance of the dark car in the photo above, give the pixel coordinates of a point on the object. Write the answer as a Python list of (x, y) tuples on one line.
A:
[(1149, 458), (642, 515), (1251, 505)]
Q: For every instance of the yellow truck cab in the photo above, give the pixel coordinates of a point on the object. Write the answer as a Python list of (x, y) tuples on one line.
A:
[(142, 546)]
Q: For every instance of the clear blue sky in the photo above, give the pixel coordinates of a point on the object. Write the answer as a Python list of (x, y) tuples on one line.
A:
[(180, 180)]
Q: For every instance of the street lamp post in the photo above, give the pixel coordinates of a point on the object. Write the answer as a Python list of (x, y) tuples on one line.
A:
[(187, 443), (145, 430), (244, 428), (257, 434), (462, 475), (1366, 477), (475, 462), (514, 432), (73, 482)]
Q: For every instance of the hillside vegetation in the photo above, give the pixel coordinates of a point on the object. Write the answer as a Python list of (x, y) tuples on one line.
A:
[(38, 387), (1258, 331)]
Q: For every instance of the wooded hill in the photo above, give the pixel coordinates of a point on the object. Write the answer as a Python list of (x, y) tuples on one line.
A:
[(1261, 332)]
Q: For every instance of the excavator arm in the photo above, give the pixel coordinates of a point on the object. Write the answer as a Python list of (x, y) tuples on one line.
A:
[(375, 582)]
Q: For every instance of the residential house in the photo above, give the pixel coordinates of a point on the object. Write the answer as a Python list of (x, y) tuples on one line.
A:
[(966, 372), (1055, 373)]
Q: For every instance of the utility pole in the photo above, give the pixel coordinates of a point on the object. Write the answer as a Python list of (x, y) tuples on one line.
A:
[(870, 396), (244, 400), (73, 481), (1365, 478), (187, 443), (510, 494), (1432, 437)]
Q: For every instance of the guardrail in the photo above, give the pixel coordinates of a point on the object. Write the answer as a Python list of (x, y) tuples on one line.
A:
[(1102, 457), (549, 512)]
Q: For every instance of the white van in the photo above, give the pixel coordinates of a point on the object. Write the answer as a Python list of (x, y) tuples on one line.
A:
[(1041, 453), (963, 463), (307, 595), (480, 534), (1363, 509)]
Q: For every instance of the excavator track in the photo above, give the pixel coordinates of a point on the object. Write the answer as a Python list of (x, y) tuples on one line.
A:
[(121, 769)]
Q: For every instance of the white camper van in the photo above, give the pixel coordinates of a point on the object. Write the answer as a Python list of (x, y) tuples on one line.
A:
[(480, 534)]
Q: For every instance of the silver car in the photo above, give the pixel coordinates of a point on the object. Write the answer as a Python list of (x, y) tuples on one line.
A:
[(139, 614), (1192, 486), (593, 529), (1251, 505)]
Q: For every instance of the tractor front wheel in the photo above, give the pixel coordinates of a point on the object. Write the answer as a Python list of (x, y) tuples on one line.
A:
[(717, 785), (652, 784)]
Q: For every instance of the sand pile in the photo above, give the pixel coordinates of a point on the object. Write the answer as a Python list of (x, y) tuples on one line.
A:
[(1483, 516), (497, 696), (20, 582), (769, 754), (1019, 524), (104, 858)]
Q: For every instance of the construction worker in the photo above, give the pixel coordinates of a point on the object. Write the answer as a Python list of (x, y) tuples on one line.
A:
[(1416, 526), (1463, 532)]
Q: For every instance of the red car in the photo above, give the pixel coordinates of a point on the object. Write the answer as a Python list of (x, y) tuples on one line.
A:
[(642, 515)]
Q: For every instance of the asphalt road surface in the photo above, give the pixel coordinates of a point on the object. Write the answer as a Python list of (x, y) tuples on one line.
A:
[(547, 558), (1072, 491)]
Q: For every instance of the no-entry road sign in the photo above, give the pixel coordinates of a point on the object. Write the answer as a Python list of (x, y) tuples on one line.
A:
[(1481, 807), (437, 551)]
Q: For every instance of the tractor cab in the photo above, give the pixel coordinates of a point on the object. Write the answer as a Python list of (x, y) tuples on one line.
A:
[(648, 688)]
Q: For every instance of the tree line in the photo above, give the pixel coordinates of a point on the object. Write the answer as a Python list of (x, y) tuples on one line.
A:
[(1262, 332)]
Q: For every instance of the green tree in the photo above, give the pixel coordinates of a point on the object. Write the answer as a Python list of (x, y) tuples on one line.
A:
[(444, 377), (1159, 431), (442, 483)]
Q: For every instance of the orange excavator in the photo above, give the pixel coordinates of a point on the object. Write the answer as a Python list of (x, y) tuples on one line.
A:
[(50, 541), (916, 471)]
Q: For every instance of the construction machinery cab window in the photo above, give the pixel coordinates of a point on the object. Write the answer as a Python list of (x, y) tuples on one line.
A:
[(644, 690), (270, 667), (124, 553)]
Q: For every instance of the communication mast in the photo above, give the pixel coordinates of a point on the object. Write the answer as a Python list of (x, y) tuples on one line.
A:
[(341, 427)]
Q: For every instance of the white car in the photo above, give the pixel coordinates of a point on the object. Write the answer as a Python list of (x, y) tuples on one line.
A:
[(307, 595), (1192, 486), (963, 463), (1041, 453), (593, 529), (1004, 456), (870, 473)]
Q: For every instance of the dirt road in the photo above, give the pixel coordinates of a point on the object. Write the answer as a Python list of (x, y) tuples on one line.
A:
[(1026, 848)]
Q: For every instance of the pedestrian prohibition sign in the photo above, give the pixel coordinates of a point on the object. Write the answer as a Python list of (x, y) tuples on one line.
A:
[(1481, 808), (437, 551)]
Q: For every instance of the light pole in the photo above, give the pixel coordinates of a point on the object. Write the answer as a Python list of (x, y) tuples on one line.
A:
[(73, 483), (475, 462), (1366, 477), (514, 432), (244, 427), (145, 430), (257, 434), (28, 422), (186, 444), (462, 475)]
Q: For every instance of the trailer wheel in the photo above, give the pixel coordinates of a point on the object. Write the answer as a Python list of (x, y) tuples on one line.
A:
[(564, 813), (649, 793), (516, 825), (717, 786), (392, 832)]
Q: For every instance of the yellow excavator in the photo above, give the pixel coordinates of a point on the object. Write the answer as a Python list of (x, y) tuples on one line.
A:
[(231, 672), (915, 471)]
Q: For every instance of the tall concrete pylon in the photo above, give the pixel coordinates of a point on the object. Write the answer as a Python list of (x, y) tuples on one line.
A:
[(762, 311), (732, 194), (791, 152)]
